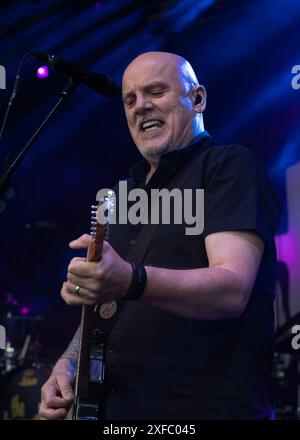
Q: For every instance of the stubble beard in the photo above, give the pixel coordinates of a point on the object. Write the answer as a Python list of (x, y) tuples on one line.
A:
[(154, 152)]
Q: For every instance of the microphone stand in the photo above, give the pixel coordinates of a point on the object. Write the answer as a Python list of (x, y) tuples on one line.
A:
[(4, 180)]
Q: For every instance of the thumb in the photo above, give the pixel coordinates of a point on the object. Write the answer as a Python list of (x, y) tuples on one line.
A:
[(81, 242)]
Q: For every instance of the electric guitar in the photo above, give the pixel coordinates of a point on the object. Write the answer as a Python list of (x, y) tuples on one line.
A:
[(90, 366)]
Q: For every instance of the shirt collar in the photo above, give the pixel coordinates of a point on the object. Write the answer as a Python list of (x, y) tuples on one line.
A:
[(169, 162)]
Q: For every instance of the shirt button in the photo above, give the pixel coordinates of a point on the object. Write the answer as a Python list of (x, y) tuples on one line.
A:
[(113, 391), (111, 351), (132, 242)]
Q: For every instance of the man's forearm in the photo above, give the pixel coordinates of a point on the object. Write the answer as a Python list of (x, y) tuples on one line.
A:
[(208, 293), (71, 352)]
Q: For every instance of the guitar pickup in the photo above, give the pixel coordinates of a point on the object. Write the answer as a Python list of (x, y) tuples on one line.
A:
[(97, 367)]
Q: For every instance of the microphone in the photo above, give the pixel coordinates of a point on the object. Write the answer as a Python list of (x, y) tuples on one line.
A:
[(101, 83)]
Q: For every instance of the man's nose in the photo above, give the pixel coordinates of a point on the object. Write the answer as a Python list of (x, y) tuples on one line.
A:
[(142, 103)]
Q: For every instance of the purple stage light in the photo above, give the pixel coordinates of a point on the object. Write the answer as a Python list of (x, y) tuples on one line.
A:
[(42, 72), (25, 310)]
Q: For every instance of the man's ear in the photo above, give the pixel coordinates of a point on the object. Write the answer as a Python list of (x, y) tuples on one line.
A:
[(199, 96)]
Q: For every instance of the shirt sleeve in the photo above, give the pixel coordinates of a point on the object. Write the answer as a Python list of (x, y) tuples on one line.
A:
[(238, 194)]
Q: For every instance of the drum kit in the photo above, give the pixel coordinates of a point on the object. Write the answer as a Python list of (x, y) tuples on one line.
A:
[(22, 370)]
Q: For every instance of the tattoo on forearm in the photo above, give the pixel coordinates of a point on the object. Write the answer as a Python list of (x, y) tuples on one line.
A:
[(73, 348)]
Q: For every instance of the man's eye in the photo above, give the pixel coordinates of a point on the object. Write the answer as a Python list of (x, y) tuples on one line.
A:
[(157, 92), (130, 102)]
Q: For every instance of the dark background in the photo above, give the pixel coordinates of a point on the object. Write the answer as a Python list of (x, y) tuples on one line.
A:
[(242, 51)]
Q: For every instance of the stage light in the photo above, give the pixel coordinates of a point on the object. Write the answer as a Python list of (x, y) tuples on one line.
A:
[(42, 72)]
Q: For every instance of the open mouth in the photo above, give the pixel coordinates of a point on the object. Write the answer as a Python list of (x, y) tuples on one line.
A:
[(151, 124)]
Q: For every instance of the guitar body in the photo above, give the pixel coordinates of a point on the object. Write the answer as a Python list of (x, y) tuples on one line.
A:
[(90, 373), (86, 402)]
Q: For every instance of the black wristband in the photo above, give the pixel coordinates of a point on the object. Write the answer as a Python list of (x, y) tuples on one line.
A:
[(138, 282)]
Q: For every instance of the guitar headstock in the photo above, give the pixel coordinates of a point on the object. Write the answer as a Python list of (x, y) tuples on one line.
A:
[(102, 213), (100, 217)]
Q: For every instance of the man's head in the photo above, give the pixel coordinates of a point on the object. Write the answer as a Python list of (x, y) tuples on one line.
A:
[(163, 103)]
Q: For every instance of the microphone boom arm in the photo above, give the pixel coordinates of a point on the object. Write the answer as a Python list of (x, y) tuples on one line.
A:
[(4, 180)]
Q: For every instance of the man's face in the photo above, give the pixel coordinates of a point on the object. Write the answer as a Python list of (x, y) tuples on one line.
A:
[(158, 107)]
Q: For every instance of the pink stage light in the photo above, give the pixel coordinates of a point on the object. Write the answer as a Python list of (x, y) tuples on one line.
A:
[(42, 72)]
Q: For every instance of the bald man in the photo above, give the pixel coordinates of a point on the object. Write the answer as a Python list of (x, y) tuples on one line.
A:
[(194, 338)]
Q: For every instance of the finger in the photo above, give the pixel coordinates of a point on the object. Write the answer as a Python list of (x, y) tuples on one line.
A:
[(86, 285), (50, 396), (66, 388), (74, 280), (81, 242), (78, 260), (83, 292), (72, 299), (106, 247), (56, 402), (52, 414), (49, 391), (84, 269)]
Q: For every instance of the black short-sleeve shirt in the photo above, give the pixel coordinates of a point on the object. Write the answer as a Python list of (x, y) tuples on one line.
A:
[(163, 366)]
